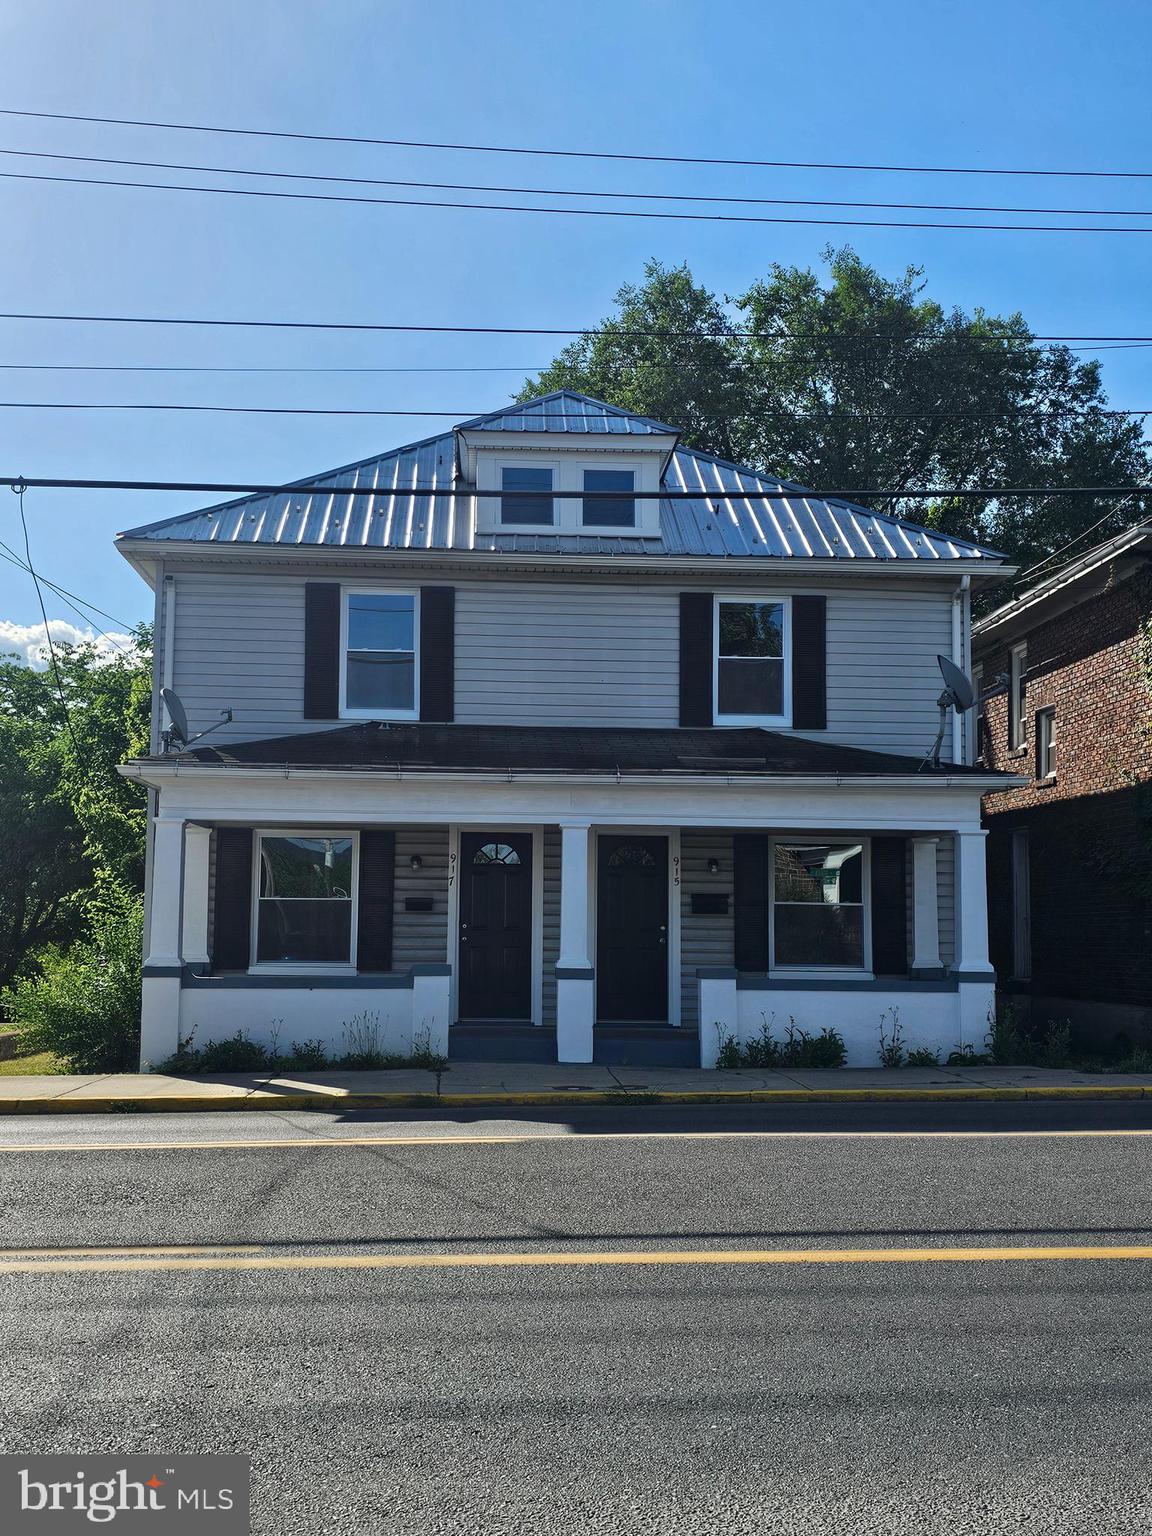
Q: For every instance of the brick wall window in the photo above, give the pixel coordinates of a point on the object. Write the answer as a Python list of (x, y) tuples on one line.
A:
[(1018, 663), (1045, 743)]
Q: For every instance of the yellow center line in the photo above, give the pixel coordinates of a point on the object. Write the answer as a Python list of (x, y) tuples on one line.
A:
[(565, 1137), (569, 1260)]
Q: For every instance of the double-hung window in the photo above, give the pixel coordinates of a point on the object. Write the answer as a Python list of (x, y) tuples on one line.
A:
[(305, 898), (1045, 743), (1016, 694), (752, 660), (606, 503), (531, 505), (379, 655), (818, 905)]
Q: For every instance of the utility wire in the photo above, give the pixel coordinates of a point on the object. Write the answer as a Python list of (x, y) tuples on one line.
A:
[(572, 154), (7, 552), (454, 493), (627, 332), (656, 197), (85, 618), (585, 213), (1080, 537), (831, 418), (523, 368), (19, 488)]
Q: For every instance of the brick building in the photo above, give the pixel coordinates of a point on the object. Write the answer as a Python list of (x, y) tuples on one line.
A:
[(1070, 853)]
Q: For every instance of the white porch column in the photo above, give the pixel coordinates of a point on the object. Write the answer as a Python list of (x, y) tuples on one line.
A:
[(575, 977), (977, 989), (160, 1001), (925, 906), (194, 928), (971, 904)]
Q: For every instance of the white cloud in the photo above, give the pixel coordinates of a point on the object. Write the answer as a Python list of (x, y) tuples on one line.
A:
[(27, 641)]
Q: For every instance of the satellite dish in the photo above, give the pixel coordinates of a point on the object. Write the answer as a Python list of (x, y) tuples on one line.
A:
[(176, 714), (959, 695), (177, 732), (958, 687)]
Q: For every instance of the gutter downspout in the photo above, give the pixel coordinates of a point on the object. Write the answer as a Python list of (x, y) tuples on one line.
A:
[(960, 655)]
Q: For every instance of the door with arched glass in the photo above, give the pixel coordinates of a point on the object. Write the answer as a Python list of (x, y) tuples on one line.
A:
[(495, 925), (632, 930)]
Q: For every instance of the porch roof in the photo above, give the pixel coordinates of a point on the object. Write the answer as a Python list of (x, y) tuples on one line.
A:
[(565, 750)]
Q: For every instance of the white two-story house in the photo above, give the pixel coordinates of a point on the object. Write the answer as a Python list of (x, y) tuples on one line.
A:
[(559, 740)]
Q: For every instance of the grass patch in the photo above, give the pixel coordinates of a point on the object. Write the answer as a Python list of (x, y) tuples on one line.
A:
[(38, 1064)]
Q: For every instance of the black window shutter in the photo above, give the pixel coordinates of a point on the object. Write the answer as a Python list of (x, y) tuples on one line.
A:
[(374, 917), (437, 653), (890, 906), (232, 928), (321, 650), (696, 658), (751, 852), (809, 664)]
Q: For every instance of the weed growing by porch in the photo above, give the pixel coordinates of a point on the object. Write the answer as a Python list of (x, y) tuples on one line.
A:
[(892, 1052), (798, 1048), (363, 1052)]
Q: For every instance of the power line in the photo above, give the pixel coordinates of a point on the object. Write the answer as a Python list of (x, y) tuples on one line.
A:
[(626, 332), (63, 591), (830, 417), (85, 618), (572, 154), (453, 493), (523, 368), (656, 197), (19, 490), (585, 213), (1080, 537)]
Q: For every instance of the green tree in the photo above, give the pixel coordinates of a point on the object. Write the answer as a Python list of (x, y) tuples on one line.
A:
[(854, 381), (67, 818)]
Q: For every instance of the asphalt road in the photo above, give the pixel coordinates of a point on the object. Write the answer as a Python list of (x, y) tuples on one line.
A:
[(540, 1395)]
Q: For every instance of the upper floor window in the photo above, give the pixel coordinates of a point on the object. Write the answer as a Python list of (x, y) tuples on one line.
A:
[(533, 504), (752, 656), (1045, 743), (609, 508), (1019, 660), (304, 898), (379, 655)]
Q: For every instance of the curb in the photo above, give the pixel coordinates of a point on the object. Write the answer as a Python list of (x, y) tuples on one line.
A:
[(196, 1103)]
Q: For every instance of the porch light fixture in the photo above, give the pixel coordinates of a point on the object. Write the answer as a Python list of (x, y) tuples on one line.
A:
[(415, 862), (713, 866)]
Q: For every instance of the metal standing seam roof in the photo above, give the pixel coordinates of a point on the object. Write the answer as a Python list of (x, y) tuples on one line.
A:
[(770, 518)]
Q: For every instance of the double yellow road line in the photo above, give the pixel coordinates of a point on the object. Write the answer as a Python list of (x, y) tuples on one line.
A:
[(252, 1257)]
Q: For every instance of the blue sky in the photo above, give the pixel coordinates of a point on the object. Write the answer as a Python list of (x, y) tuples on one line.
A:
[(1045, 83)]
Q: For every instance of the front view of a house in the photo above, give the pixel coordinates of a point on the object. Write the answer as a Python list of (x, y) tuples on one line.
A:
[(608, 750)]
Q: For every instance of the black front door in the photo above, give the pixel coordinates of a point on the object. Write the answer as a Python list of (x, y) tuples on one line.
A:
[(632, 930), (496, 925)]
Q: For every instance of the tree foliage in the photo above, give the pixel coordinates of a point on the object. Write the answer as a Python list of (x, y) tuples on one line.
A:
[(67, 818), (856, 381)]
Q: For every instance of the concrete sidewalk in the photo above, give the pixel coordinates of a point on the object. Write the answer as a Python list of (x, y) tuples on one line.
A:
[(520, 1083)]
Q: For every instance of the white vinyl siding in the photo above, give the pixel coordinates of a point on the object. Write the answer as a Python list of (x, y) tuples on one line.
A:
[(421, 938), (536, 652), (706, 939)]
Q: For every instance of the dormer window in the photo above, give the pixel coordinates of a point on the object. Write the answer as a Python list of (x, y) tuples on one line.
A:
[(604, 503), (532, 506)]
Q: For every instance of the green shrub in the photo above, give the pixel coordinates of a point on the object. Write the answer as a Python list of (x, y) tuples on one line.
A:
[(922, 1057), (797, 1049), (84, 1003), (306, 1056)]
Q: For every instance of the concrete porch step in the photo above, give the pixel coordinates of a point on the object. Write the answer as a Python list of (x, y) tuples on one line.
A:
[(501, 1042), (645, 1045)]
